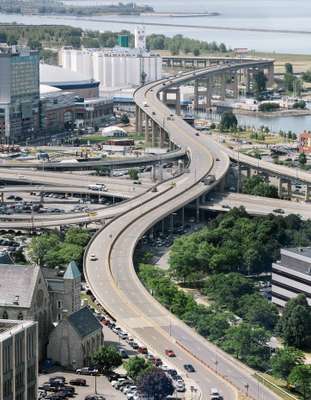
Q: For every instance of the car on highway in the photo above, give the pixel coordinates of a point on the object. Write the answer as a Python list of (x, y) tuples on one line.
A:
[(94, 397), (197, 134), (93, 257), (170, 353), (214, 395), (189, 368), (279, 211)]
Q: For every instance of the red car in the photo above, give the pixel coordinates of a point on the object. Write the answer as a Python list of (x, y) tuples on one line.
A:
[(142, 350), (170, 353)]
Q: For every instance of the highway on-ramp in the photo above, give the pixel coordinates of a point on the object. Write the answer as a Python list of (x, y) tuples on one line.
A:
[(112, 277)]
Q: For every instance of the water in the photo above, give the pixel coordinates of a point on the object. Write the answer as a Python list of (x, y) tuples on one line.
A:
[(269, 14), (275, 124)]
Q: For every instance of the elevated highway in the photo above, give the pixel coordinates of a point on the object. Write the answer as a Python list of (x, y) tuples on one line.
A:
[(255, 205), (112, 277), (91, 165)]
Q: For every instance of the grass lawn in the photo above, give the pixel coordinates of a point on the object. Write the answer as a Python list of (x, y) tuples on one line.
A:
[(97, 138), (278, 386)]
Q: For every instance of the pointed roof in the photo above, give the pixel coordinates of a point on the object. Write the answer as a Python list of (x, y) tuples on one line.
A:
[(84, 322), (72, 271)]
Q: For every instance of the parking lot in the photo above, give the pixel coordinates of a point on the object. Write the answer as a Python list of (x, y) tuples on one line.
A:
[(104, 387)]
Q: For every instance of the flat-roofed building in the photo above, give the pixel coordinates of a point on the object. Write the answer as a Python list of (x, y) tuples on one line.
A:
[(291, 275), (18, 360)]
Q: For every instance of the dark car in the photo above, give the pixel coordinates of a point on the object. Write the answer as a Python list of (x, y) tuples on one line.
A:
[(189, 368), (94, 397), (78, 382)]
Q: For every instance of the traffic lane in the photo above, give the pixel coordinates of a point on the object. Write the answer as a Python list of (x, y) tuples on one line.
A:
[(203, 376)]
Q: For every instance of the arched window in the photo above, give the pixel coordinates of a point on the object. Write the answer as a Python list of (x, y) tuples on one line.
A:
[(5, 315), (20, 316)]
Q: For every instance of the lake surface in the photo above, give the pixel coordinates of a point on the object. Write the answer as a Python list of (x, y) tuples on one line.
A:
[(267, 14)]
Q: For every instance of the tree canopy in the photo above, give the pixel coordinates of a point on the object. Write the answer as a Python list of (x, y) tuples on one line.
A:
[(256, 186), (155, 384), (54, 249), (285, 360), (107, 358), (228, 122), (295, 324)]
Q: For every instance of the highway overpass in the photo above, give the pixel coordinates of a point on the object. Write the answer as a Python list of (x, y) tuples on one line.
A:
[(104, 163), (112, 277), (255, 205)]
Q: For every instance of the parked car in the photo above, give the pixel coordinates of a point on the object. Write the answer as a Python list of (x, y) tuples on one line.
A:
[(142, 350), (78, 382), (87, 371)]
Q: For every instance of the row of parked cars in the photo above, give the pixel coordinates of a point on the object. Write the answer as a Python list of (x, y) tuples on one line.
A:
[(126, 385), (56, 388)]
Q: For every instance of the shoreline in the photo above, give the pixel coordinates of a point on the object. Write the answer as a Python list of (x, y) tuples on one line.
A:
[(273, 114)]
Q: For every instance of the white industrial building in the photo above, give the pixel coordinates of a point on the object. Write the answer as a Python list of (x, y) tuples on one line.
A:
[(114, 68)]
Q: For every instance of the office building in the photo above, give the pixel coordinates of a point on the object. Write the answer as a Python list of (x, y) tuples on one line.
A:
[(19, 94), (291, 275), (18, 360)]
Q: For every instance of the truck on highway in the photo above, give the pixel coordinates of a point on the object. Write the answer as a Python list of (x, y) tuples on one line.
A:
[(98, 187), (208, 180)]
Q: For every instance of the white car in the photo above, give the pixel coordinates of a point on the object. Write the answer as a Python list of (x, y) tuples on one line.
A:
[(93, 257)]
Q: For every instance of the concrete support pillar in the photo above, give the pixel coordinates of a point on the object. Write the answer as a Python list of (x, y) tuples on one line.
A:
[(208, 93), (164, 99), (163, 225), (222, 185), (280, 187), (41, 198), (183, 217), (235, 85), (197, 210), (153, 173), (307, 193), (147, 138), (196, 96), (247, 80), (172, 223), (153, 133), (222, 87), (162, 137), (178, 102), (289, 189), (138, 120), (270, 76), (2, 197)]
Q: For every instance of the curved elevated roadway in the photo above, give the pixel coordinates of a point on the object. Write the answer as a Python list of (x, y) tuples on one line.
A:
[(84, 165), (112, 277)]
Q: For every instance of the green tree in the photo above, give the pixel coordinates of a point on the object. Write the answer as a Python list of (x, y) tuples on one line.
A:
[(289, 68), (227, 289), (228, 122), (295, 324), (285, 360), (77, 236), (155, 384), (300, 378), (258, 311), (107, 358), (302, 159), (136, 366), (196, 52), (260, 83), (248, 343), (256, 186), (133, 174), (125, 119), (40, 245), (301, 104)]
